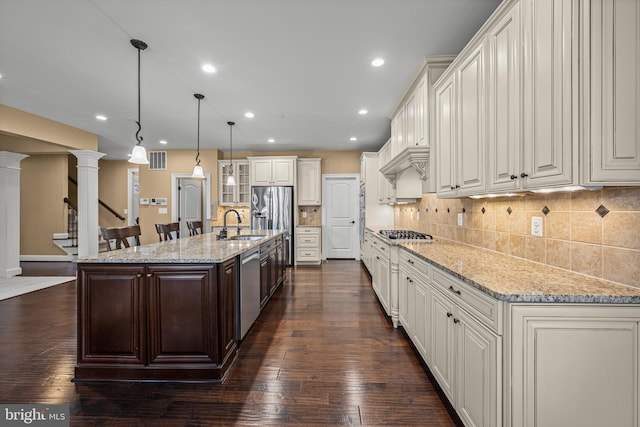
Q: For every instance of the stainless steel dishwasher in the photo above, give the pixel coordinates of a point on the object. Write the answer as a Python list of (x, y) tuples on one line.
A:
[(248, 307)]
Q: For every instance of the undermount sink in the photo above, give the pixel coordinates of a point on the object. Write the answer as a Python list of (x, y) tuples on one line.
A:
[(245, 237)]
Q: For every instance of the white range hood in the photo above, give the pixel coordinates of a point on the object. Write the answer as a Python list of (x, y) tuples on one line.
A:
[(408, 173)]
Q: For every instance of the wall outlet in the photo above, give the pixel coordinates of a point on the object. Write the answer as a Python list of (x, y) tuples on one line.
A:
[(459, 220), (162, 211), (144, 201), (536, 226), (304, 214)]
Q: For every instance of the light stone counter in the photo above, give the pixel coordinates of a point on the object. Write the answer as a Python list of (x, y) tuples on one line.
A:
[(201, 249), (515, 279)]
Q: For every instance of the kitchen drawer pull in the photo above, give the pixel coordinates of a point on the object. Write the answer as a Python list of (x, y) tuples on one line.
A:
[(449, 314), (456, 320), (454, 291)]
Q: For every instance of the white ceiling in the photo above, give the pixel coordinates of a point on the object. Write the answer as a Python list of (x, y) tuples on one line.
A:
[(302, 66)]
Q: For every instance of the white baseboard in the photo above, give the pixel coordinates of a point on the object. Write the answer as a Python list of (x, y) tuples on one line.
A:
[(46, 258)]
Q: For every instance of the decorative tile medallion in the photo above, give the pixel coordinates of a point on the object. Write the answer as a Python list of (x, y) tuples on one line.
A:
[(602, 211), (483, 210), (509, 210), (546, 210)]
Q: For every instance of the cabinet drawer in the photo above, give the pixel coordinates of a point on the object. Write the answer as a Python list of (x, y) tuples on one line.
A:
[(308, 254), (485, 308), (305, 240), (308, 230), (420, 266)]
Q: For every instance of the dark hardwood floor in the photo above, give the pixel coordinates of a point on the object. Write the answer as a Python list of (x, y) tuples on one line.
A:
[(321, 353)]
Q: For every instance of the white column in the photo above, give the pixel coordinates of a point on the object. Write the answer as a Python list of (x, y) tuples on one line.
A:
[(10, 213), (88, 228)]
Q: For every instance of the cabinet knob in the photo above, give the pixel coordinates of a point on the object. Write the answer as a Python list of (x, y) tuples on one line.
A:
[(513, 177), (523, 175), (454, 291), (457, 186), (449, 314), (453, 188), (456, 320)]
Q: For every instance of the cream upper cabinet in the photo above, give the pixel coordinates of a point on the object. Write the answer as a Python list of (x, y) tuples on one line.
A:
[(398, 141), (460, 126), (386, 194), (550, 76), (234, 195), (273, 170), (504, 111), (611, 91), (309, 182)]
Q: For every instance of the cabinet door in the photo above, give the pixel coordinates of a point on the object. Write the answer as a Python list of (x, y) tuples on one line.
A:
[(111, 304), (261, 172), (470, 140), (283, 171), (182, 314), (550, 73), (243, 183), (505, 110), (421, 126), (227, 193), (442, 343), (264, 280), (611, 49), (477, 367), (420, 315), (227, 287), (445, 137), (309, 185), (410, 120), (574, 367), (404, 281)]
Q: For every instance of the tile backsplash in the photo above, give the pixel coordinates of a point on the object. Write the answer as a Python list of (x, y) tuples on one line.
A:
[(313, 215), (596, 233)]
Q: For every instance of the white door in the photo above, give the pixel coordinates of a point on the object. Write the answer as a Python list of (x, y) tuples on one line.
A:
[(190, 202), (340, 216)]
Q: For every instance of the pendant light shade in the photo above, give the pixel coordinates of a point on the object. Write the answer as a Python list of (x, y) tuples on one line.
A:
[(230, 179), (139, 154), (197, 169)]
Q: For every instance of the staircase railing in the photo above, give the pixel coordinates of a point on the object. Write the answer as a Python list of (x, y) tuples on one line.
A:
[(72, 222), (103, 204)]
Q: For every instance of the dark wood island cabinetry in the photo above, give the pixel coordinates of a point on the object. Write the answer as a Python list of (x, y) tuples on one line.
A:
[(159, 321)]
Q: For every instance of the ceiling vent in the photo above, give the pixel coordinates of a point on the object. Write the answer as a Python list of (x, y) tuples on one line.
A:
[(157, 160)]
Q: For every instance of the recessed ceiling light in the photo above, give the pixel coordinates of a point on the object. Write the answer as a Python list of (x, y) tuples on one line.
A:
[(362, 112), (378, 62), (249, 115), (163, 141), (101, 117), (208, 68), (1, 76), (353, 139), (271, 140)]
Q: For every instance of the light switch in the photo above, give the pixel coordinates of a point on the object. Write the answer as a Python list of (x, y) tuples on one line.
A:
[(162, 210)]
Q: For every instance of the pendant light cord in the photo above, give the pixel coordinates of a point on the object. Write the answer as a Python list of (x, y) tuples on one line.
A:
[(198, 138), (138, 136), (231, 147)]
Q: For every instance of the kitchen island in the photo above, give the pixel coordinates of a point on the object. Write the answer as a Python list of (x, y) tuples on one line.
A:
[(161, 312)]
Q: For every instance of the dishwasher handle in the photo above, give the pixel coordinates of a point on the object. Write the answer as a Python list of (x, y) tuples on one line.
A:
[(255, 255)]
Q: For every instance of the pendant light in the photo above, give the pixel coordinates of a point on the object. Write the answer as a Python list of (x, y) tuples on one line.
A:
[(230, 179), (139, 154), (197, 169)]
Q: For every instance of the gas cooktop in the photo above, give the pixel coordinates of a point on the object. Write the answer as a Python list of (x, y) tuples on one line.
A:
[(405, 235)]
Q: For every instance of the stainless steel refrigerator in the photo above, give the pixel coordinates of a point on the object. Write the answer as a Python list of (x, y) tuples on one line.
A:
[(272, 209)]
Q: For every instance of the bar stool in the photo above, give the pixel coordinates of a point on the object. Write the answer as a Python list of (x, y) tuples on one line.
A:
[(195, 227), (120, 236), (164, 231)]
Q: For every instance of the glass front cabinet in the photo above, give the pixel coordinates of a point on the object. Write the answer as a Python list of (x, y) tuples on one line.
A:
[(234, 195)]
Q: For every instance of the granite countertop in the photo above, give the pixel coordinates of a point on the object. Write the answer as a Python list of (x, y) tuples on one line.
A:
[(200, 249), (514, 279)]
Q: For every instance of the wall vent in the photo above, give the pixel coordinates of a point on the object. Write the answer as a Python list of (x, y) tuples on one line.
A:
[(157, 160)]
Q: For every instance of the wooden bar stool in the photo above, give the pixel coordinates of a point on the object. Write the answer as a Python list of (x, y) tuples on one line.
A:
[(164, 231), (120, 236), (195, 227)]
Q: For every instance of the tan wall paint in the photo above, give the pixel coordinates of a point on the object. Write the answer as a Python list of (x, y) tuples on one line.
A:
[(20, 123), (112, 190), (574, 238), (43, 186), (158, 184), (332, 161)]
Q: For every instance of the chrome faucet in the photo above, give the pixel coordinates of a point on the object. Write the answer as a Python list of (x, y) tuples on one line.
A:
[(223, 232)]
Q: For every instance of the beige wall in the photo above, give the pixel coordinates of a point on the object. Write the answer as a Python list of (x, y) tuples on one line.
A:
[(574, 238), (112, 190), (43, 186), (155, 183), (30, 126)]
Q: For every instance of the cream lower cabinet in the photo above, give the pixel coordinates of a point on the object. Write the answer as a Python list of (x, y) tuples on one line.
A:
[(308, 245), (573, 365), (414, 303), (380, 276)]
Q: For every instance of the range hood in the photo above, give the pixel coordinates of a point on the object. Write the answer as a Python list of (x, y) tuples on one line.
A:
[(408, 173)]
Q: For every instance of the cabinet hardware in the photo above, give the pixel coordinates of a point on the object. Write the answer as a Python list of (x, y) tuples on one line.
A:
[(457, 186), (456, 320), (139, 275), (454, 291), (453, 188), (523, 175), (513, 177), (377, 257), (149, 274), (449, 314)]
